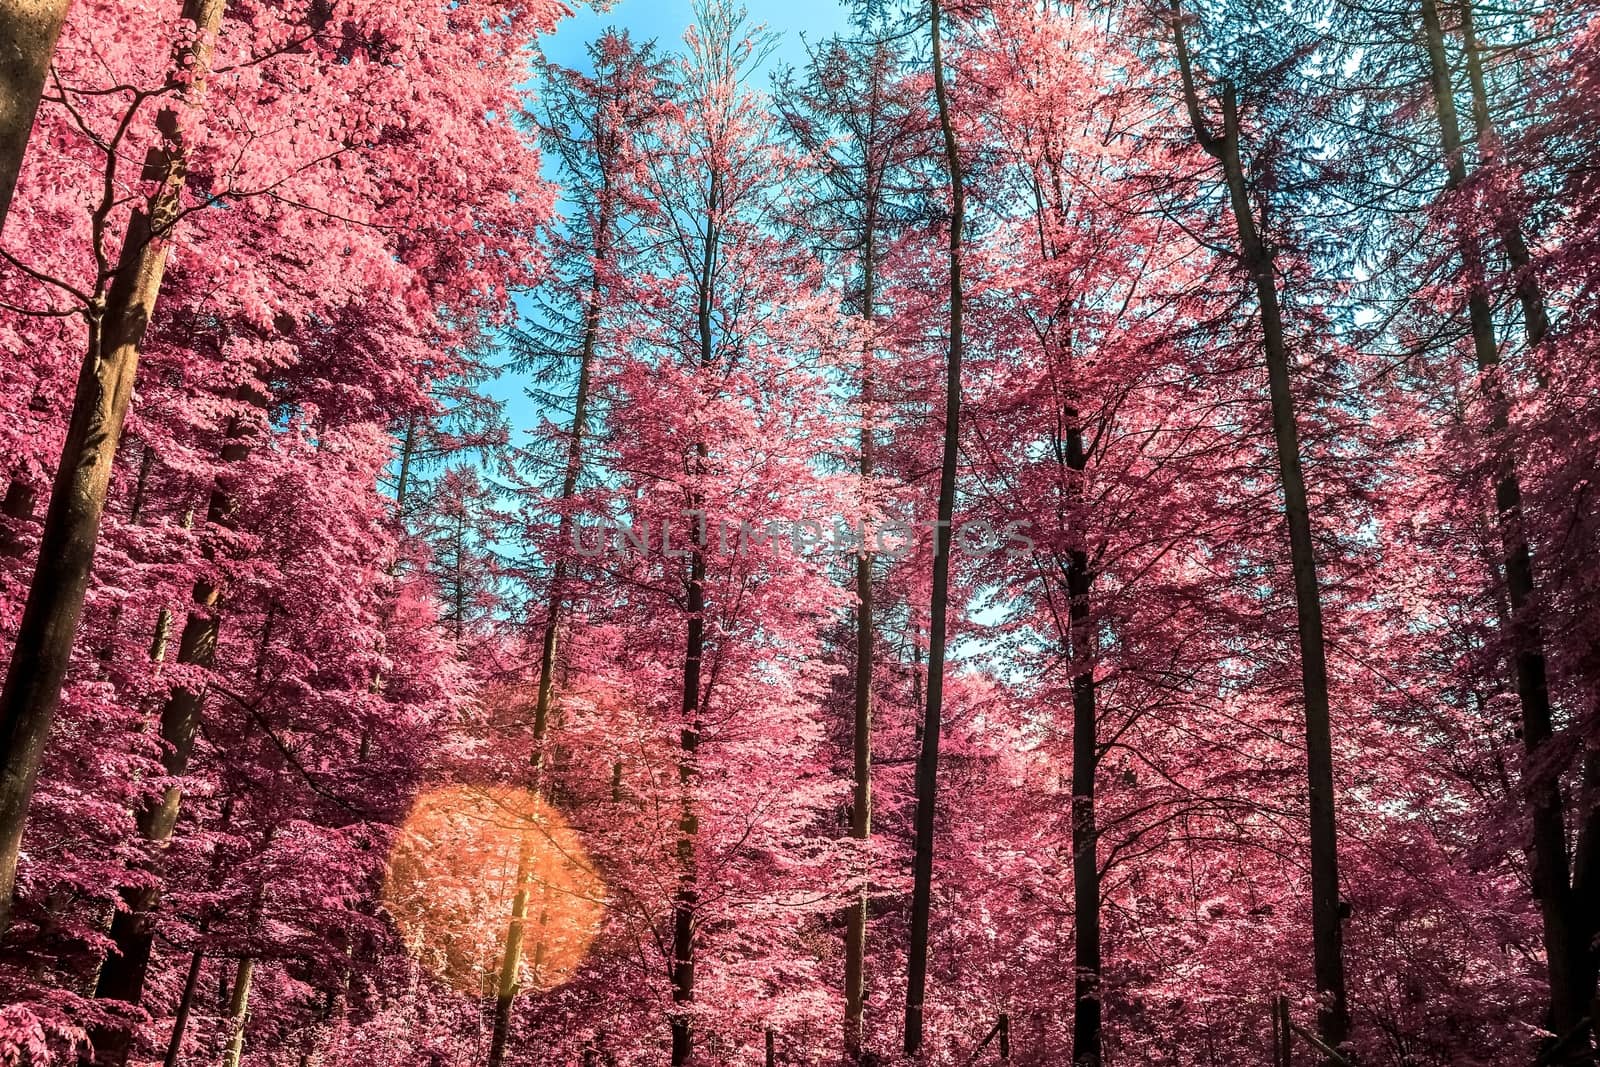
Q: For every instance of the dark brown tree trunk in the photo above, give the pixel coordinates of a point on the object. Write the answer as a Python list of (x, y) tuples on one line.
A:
[(180, 1021), (686, 901), (43, 649), (28, 32), (855, 936), (928, 756), (1586, 880), (1086, 998), (1327, 909), (1566, 948)]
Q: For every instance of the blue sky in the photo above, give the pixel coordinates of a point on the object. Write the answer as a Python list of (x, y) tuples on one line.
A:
[(665, 21)]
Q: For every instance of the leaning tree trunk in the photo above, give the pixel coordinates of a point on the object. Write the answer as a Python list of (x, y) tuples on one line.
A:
[(191, 982), (1535, 315), (1565, 948), (1327, 910), (511, 961), (197, 958), (43, 649), (507, 984), (928, 756), (569, 489), (239, 1010), (28, 32), (122, 977), (239, 998), (180, 1020)]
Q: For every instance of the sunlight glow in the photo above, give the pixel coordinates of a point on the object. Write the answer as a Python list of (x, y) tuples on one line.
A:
[(454, 875)]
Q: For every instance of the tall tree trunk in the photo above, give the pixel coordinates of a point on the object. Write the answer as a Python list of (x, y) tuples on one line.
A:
[(28, 32), (928, 756), (1586, 877), (569, 489), (180, 1021), (1327, 910), (43, 649), (122, 977), (855, 936), (686, 900), (511, 962), (1086, 997), (1535, 316), (238, 1000), (1565, 947)]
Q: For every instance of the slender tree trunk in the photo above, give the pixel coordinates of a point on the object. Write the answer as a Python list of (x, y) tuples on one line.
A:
[(1566, 949), (569, 489), (239, 1010), (1327, 910), (402, 487), (28, 32), (43, 649), (122, 977), (1535, 316), (180, 1021), (512, 960), (855, 936), (928, 757), (197, 958), (686, 901), (238, 1000), (1086, 998)]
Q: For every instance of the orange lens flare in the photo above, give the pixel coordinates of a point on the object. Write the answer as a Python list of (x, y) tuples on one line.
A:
[(476, 866)]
